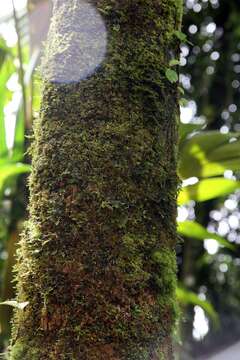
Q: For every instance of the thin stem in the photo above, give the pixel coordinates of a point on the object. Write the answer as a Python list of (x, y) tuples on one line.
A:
[(20, 56)]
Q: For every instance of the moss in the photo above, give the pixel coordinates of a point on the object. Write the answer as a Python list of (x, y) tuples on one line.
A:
[(96, 260), (22, 350)]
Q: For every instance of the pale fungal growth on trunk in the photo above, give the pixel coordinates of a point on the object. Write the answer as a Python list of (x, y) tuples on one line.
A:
[(77, 42)]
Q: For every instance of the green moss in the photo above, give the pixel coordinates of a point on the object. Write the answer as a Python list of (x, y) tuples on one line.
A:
[(22, 350), (96, 260)]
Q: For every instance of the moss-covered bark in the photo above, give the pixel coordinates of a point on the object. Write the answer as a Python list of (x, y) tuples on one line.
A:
[(97, 261)]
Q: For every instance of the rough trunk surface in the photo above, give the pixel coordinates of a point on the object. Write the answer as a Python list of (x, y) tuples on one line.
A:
[(96, 261)]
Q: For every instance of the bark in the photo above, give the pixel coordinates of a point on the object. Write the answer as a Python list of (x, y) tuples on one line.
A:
[(97, 261)]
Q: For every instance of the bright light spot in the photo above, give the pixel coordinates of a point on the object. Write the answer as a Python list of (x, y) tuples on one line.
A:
[(231, 204), (235, 84), (184, 50), (188, 112), (233, 139), (202, 296), (6, 6), (216, 215), (13, 84), (223, 267), (211, 27), (185, 80), (200, 324), (183, 61), (215, 55), (197, 8), (182, 213), (233, 222), (193, 29), (190, 181), (232, 108), (228, 174), (232, 236), (223, 228), (8, 32), (224, 129), (190, 4), (211, 245)]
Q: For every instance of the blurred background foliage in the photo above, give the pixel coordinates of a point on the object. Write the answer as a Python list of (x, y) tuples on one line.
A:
[(209, 165)]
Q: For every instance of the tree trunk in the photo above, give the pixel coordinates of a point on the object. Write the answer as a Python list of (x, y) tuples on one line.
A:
[(97, 261)]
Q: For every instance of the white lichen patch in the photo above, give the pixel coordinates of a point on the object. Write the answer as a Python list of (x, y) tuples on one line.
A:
[(77, 42)]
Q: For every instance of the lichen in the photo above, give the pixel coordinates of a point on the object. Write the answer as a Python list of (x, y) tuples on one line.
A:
[(96, 260)]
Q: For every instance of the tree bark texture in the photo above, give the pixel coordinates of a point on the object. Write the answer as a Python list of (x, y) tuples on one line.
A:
[(96, 261)]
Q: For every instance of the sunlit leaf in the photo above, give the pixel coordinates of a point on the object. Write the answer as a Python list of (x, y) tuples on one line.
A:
[(9, 172), (226, 152), (171, 75), (180, 35), (174, 62), (194, 230), (187, 129), (210, 154), (207, 189)]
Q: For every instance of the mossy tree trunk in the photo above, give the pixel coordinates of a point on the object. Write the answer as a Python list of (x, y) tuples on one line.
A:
[(97, 262)]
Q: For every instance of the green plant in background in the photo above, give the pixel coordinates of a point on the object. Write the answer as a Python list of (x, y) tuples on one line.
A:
[(204, 157), (13, 120)]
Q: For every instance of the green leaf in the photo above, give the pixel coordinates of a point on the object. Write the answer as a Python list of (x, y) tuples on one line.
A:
[(15, 304), (210, 154), (183, 102), (187, 129), (194, 230), (181, 90), (171, 75), (186, 297), (174, 62), (9, 172), (180, 35), (225, 152), (207, 189)]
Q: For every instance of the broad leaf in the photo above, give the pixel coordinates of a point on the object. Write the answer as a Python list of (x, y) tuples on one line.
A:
[(210, 154), (9, 172), (207, 189), (194, 230), (187, 129)]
